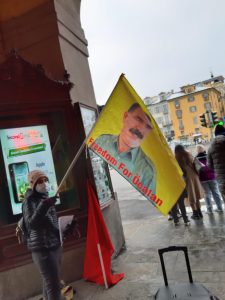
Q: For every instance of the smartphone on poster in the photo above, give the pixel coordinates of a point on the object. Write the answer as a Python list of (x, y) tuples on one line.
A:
[(18, 175)]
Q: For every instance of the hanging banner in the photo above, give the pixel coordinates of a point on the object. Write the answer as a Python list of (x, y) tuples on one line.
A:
[(127, 137), (26, 149)]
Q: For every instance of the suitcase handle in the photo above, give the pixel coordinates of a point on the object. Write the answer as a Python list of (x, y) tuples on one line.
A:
[(170, 249)]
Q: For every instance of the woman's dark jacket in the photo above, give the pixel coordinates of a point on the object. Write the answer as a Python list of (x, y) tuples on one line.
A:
[(205, 174), (41, 222), (216, 159)]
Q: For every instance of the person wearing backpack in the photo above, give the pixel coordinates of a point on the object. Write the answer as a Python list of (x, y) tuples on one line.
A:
[(208, 180), (43, 238)]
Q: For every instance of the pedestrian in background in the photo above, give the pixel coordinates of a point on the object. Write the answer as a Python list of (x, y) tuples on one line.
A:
[(170, 217), (180, 203), (208, 180), (43, 233), (193, 185), (216, 157)]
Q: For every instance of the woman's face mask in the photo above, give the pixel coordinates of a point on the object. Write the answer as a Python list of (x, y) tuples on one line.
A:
[(42, 186)]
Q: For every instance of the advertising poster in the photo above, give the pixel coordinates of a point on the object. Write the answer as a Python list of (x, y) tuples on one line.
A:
[(26, 149), (127, 137)]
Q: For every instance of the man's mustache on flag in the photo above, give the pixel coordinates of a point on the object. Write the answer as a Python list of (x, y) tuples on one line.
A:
[(136, 132)]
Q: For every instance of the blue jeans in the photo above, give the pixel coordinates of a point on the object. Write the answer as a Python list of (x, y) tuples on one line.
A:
[(211, 189), (48, 263)]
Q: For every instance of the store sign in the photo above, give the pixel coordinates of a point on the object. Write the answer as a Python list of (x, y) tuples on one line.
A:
[(26, 149)]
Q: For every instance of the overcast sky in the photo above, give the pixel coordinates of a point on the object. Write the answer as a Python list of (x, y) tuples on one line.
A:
[(160, 45)]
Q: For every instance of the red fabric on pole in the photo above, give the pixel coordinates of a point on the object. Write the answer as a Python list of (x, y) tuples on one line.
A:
[(97, 233)]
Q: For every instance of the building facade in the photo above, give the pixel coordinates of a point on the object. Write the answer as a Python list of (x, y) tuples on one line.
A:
[(177, 113), (186, 107), (159, 109)]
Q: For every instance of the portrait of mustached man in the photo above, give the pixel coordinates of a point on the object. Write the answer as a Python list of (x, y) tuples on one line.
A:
[(126, 147)]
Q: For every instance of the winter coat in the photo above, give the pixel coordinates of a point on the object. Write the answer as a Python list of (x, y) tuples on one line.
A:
[(205, 174), (41, 221), (193, 185), (216, 160)]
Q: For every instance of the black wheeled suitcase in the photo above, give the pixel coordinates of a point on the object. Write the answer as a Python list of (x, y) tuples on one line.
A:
[(181, 291)]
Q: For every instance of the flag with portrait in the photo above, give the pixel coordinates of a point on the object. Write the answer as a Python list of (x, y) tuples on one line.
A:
[(128, 138)]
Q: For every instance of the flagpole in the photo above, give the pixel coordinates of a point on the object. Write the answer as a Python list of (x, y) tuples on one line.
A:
[(76, 157), (72, 164), (102, 265)]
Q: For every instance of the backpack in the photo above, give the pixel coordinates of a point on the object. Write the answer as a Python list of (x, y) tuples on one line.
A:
[(21, 231)]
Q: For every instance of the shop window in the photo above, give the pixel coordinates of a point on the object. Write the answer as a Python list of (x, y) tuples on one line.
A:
[(25, 148), (100, 168)]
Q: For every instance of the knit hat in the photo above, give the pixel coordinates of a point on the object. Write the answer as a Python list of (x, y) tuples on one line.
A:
[(33, 177), (219, 130)]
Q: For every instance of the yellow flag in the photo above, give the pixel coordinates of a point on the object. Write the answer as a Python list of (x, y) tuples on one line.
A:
[(127, 137)]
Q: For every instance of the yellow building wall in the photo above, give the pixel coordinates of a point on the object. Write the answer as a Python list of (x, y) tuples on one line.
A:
[(188, 117)]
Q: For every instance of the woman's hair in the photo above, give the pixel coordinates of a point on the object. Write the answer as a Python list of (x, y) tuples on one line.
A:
[(219, 130), (183, 157), (200, 148)]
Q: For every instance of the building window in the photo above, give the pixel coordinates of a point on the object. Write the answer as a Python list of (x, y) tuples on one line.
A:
[(162, 97), (147, 101), (197, 130), (205, 96), (192, 108), (151, 110), (181, 125), (195, 120), (191, 98), (159, 120), (166, 118), (179, 113), (207, 105), (157, 110), (165, 109), (177, 104)]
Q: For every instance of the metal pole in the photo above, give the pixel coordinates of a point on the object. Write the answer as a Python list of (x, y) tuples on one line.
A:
[(76, 157), (210, 122), (72, 164)]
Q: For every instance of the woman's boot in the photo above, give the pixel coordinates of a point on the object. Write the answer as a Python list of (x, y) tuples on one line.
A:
[(200, 213), (195, 215)]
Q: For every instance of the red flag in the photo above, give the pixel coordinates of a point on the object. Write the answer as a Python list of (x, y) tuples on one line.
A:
[(97, 234)]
